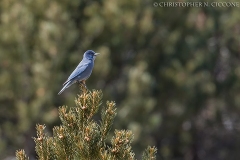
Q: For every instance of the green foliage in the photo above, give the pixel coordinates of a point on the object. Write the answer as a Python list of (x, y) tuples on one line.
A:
[(174, 72), (20, 155), (149, 153), (81, 137)]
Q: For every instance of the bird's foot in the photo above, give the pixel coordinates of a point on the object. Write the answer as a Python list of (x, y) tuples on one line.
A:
[(82, 83)]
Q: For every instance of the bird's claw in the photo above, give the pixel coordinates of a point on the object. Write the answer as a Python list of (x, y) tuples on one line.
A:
[(82, 83)]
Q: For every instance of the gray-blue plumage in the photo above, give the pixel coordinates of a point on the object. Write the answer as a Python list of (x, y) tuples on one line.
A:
[(82, 71)]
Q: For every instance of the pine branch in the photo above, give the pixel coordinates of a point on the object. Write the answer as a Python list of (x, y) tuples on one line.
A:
[(20, 155), (80, 137), (107, 115), (121, 145), (149, 153)]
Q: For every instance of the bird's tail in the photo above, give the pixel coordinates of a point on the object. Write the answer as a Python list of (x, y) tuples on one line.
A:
[(65, 87)]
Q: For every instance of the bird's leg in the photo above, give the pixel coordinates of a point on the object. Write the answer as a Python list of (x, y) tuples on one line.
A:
[(82, 83)]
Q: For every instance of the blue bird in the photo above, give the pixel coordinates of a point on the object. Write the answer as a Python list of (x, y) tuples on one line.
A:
[(82, 71)]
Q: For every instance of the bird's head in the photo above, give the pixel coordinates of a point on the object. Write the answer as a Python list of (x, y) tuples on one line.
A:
[(90, 54)]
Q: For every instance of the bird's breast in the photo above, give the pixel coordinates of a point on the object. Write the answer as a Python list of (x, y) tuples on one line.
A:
[(85, 75)]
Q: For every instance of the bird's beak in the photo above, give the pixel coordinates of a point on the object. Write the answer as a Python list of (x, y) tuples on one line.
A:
[(96, 54)]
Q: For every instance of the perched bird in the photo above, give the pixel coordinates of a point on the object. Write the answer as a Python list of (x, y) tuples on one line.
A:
[(82, 71)]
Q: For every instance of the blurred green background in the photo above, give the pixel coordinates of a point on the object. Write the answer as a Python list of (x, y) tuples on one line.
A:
[(173, 72)]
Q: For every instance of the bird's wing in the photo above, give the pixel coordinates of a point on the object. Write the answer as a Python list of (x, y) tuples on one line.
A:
[(80, 69)]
